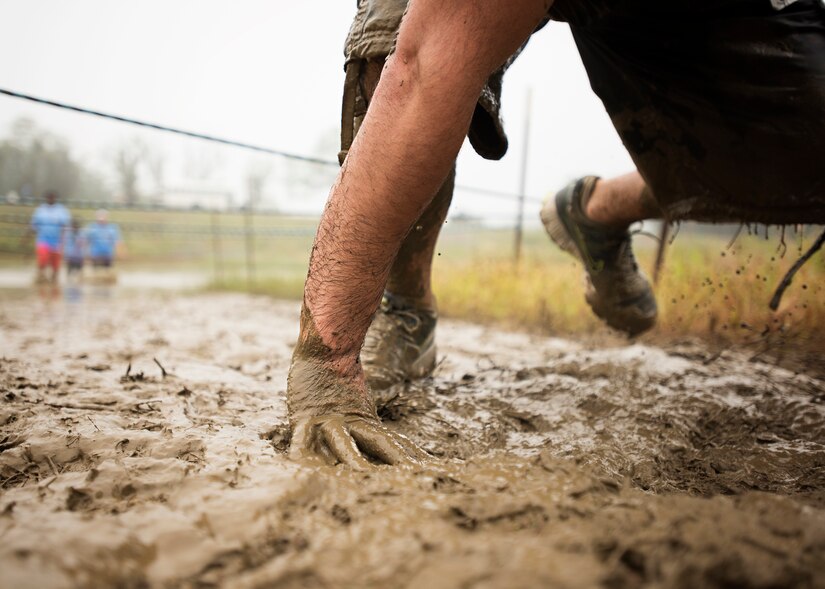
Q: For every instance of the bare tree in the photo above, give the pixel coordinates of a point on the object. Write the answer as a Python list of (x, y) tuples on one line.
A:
[(258, 175), (33, 160), (156, 165), (201, 163), (127, 159)]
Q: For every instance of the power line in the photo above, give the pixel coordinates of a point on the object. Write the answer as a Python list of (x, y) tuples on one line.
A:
[(131, 121), (221, 140), (497, 193)]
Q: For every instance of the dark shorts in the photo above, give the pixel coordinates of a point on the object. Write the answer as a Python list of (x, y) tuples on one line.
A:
[(721, 103), (102, 261)]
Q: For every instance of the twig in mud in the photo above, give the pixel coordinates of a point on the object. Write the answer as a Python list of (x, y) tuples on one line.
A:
[(128, 370), (162, 369), (51, 464), (47, 483), (11, 480), (715, 356), (148, 405), (786, 282), (99, 407), (93, 422)]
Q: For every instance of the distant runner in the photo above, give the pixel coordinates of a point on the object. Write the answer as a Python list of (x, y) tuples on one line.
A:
[(102, 239), (49, 221), (74, 249)]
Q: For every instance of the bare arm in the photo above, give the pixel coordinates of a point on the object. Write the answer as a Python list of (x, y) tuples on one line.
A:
[(416, 123)]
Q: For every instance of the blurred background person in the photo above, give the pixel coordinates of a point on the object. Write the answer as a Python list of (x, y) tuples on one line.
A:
[(74, 250), (48, 223), (102, 240)]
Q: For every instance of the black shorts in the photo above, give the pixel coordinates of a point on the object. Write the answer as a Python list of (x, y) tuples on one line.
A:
[(721, 103), (102, 261)]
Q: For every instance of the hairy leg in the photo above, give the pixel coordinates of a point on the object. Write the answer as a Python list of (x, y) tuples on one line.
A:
[(621, 201), (404, 150), (411, 272)]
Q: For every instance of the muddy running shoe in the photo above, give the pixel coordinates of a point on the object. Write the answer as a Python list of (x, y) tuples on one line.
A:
[(617, 291), (400, 343)]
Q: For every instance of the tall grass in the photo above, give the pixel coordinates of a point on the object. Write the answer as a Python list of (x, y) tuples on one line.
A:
[(706, 290)]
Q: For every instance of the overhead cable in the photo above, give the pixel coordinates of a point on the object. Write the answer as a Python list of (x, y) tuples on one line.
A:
[(221, 140)]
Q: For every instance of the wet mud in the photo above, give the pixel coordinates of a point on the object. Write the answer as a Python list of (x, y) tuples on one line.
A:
[(558, 464)]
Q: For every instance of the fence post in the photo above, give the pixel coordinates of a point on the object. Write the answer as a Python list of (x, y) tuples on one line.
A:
[(250, 247), (523, 178), (217, 254)]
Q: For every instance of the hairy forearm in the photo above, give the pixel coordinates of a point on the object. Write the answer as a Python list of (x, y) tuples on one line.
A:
[(398, 162), (417, 121)]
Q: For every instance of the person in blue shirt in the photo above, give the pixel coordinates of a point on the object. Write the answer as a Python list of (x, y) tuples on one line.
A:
[(48, 223), (102, 240)]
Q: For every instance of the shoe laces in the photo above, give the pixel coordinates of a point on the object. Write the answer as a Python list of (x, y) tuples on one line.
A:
[(401, 314)]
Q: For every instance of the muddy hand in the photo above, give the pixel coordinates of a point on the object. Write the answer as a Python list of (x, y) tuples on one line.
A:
[(335, 420)]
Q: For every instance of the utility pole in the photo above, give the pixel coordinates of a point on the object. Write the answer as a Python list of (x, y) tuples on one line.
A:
[(523, 180), (254, 193), (217, 254)]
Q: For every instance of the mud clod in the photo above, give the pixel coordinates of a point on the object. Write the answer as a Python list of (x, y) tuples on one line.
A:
[(78, 499)]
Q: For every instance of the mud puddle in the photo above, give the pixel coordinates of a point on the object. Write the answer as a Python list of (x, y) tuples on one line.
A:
[(558, 464), (24, 278)]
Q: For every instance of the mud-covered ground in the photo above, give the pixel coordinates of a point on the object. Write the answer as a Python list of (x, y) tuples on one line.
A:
[(559, 465)]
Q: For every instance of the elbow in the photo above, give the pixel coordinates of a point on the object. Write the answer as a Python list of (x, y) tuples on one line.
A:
[(402, 72)]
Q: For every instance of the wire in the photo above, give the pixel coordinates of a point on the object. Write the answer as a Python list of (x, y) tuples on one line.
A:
[(158, 208), (180, 228), (230, 142), (497, 193), (131, 121)]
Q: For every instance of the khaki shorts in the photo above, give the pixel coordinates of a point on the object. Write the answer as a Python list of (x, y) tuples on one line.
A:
[(371, 37)]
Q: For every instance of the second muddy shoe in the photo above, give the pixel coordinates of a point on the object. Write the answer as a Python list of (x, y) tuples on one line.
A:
[(617, 291), (400, 343)]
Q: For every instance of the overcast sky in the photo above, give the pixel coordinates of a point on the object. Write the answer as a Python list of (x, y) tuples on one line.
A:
[(268, 72)]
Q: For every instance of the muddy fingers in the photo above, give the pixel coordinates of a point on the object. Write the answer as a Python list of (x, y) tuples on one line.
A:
[(343, 446), (384, 445), (333, 417), (308, 444), (358, 442), (415, 451)]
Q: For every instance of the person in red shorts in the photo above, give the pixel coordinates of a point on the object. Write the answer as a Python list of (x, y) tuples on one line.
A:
[(48, 223)]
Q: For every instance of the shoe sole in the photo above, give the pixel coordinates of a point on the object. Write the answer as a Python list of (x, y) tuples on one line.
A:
[(556, 228)]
